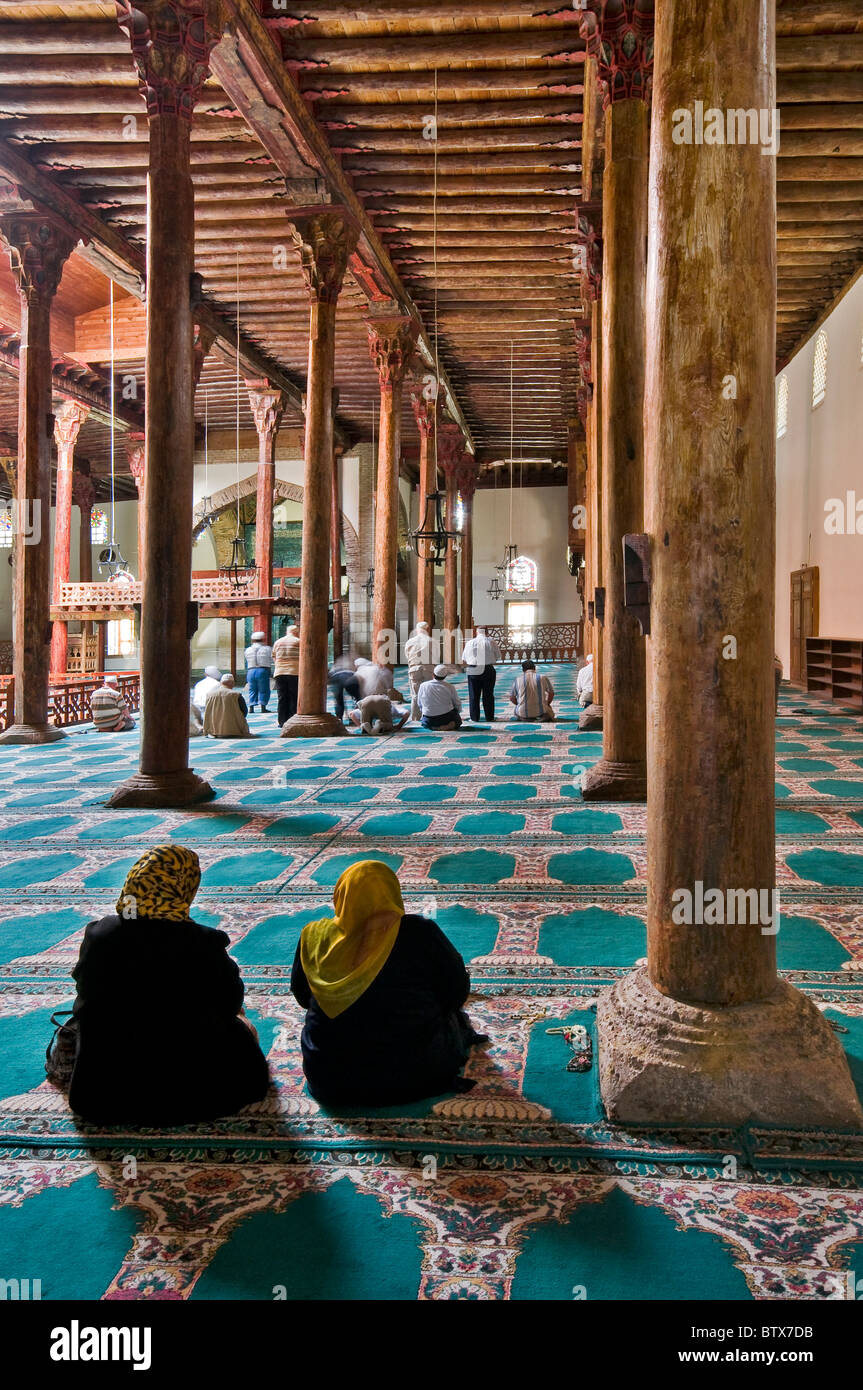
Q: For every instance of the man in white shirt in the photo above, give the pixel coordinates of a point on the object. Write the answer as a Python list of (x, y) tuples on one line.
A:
[(210, 681), (439, 703), (259, 666), (480, 656), (584, 682), (418, 655)]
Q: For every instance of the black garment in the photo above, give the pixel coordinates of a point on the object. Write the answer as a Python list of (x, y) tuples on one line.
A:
[(404, 1039), (343, 682), (159, 1039), (286, 689), (244, 709), (482, 686)]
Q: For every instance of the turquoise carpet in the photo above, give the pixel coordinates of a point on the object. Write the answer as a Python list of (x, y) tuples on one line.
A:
[(519, 1189)]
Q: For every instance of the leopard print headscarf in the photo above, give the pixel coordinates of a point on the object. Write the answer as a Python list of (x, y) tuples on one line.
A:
[(161, 884)]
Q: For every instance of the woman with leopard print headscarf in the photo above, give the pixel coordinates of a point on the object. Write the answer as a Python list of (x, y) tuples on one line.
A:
[(158, 1025)]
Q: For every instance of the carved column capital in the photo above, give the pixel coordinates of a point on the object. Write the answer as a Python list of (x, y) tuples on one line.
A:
[(467, 476), (589, 243), (424, 399), (83, 491), (136, 456), (171, 44), (68, 420), (326, 236), (392, 340), (38, 242), (268, 407), (450, 448), (619, 35)]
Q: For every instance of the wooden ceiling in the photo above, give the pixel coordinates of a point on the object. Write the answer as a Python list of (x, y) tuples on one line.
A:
[(346, 102)]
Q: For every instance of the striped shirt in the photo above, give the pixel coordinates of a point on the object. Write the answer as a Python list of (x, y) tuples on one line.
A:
[(108, 708)]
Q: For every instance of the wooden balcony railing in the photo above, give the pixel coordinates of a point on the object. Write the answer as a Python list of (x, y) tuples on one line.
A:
[(69, 700), (544, 642)]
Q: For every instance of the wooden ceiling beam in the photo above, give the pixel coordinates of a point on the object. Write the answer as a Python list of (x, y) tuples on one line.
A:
[(49, 36), (564, 206), (821, 115), (453, 116), (797, 144), (818, 12), (18, 100), (814, 52), (446, 52), (296, 16), (35, 130), (520, 81), (818, 87), (483, 163), (248, 64), (542, 184)]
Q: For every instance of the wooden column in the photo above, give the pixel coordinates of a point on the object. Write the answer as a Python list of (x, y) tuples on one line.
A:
[(171, 43), (450, 453), (577, 503), (336, 555), (706, 1033), (591, 718), (467, 487), (84, 497), (326, 237), (268, 407), (136, 458), (232, 624), (67, 425), (624, 65), (424, 399), (392, 337), (39, 245)]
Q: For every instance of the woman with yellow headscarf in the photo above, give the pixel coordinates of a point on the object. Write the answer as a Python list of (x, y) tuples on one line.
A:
[(383, 992), (158, 1036)]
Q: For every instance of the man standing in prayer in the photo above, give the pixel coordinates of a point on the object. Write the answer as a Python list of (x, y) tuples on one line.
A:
[(375, 715), (371, 678), (259, 664), (584, 682), (439, 703), (532, 694), (208, 683), (418, 655), (342, 678), (480, 657), (286, 666), (225, 715), (109, 710)]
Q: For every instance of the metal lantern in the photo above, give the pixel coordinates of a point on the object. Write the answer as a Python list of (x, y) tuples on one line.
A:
[(238, 571), (510, 556), (432, 539), (494, 590), (369, 585), (111, 562)]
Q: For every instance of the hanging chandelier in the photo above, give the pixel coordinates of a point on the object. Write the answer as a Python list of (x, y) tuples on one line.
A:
[(369, 585), (432, 540), (494, 590), (112, 564)]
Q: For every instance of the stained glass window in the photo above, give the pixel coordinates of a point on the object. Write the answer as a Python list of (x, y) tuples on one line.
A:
[(521, 576), (98, 526), (6, 528), (782, 406), (819, 370)]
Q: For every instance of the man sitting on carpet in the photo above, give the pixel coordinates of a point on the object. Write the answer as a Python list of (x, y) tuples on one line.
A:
[(584, 682), (374, 715), (225, 715), (439, 703), (109, 710), (208, 683), (532, 694)]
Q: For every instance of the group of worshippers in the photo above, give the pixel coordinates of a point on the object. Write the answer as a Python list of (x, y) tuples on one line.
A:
[(435, 704), (383, 993)]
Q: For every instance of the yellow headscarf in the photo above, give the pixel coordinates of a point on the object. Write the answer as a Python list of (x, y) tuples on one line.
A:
[(162, 884), (343, 955)]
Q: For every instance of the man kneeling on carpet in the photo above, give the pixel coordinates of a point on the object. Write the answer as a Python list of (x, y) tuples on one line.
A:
[(384, 993), (109, 710), (157, 1036), (377, 714)]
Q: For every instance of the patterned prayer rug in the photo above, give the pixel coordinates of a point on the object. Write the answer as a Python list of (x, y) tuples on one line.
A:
[(518, 1189)]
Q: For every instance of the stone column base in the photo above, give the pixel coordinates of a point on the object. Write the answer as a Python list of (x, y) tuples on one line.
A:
[(610, 781), (776, 1062), (163, 790), (590, 718), (32, 733), (313, 726)]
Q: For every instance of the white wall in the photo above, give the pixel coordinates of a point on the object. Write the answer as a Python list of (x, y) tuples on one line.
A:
[(539, 529), (821, 457)]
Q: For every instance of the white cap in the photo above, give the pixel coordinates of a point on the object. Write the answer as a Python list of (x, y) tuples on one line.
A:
[(441, 672), (259, 637), (111, 680)]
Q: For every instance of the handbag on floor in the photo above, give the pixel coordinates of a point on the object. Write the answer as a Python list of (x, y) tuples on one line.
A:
[(62, 1050)]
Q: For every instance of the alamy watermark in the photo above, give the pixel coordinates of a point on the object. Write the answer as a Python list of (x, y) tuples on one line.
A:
[(734, 126), (727, 907)]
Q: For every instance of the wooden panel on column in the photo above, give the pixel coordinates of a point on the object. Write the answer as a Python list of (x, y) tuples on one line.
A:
[(39, 245), (392, 338), (171, 44), (336, 554), (467, 480), (268, 407), (450, 454), (68, 420), (84, 497), (326, 237), (707, 1033)]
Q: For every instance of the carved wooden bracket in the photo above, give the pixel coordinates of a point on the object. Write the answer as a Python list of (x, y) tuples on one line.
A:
[(619, 35), (171, 44), (637, 579), (326, 236)]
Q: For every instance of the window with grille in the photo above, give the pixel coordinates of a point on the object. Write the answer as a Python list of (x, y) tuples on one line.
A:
[(819, 370), (121, 637), (782, 407)]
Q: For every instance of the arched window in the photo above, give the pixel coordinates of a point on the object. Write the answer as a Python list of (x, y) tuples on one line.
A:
[(6, 530), (819, 370), (521, 576), (98, 526), (782, 406)]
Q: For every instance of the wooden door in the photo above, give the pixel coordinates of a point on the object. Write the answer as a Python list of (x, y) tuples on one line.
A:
[(804, 618)]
